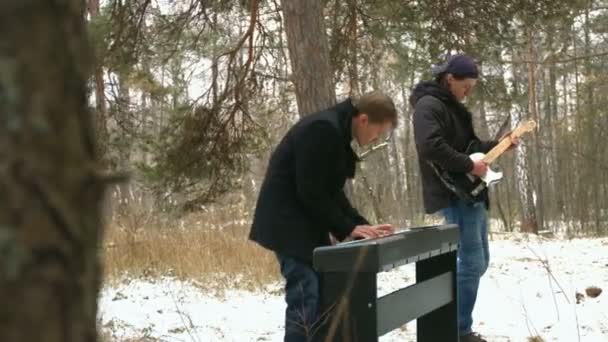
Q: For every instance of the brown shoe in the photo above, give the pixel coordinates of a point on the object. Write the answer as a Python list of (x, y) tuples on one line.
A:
[(472, 337)]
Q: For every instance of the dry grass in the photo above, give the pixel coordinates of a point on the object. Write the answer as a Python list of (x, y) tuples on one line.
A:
[(106, 336), (210, 248), (535, 339)]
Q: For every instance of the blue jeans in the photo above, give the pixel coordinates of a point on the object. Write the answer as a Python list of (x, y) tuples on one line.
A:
[(302, 295), (473, 256)]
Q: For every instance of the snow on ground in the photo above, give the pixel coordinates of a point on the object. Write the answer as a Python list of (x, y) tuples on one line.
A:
[(518, 298)]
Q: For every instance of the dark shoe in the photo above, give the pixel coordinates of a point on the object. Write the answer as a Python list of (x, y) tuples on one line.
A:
[(472, 337)]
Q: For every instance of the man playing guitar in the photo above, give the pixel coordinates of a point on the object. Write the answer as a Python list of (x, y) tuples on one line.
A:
[(443, 131)]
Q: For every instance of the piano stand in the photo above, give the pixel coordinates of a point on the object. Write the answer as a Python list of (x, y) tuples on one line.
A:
[(351, 310)]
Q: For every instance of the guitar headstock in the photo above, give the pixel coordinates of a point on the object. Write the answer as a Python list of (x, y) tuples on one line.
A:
[(525, 127)]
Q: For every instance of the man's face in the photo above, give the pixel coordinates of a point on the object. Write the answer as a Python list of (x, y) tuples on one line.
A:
[(461, 88), (367, 132)]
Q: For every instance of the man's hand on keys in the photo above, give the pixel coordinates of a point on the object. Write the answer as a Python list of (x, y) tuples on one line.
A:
[(371, 232)]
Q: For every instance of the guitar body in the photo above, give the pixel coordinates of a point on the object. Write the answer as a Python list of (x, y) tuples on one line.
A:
[(466, 185), (491, 176), (469, 187)]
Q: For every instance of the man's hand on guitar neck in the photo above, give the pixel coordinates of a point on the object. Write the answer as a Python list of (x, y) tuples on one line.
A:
[(371, 232), (514, 140)]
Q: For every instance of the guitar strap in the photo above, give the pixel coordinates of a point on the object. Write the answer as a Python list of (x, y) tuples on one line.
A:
[(504, 128), (447, 180)]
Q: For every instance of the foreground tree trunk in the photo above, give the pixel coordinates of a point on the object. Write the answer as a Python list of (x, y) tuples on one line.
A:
[(50, 194)]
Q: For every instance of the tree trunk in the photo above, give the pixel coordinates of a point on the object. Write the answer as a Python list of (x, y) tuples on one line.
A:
[(528, 220), (579, 193), (50, 218), (563, 160), (101, 127), (400, 198), (552, 141), (483, 127), (125, 151), (532, 224), (503, 196), (214, 64), (309, 55), (413, 190), (546, 107), (590, 182), (353, 72), (408, 196)]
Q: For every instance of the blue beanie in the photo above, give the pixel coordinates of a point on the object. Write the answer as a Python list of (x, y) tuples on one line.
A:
[(460, 65)]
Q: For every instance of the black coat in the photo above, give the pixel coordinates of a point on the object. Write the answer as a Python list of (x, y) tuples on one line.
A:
[(302, 199), (443, 129)]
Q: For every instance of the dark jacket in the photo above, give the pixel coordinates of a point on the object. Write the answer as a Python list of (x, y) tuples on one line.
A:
[(443, 129), (302, 199)]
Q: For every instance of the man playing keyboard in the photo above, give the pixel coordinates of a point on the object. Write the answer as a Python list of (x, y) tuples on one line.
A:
[(302, 202)]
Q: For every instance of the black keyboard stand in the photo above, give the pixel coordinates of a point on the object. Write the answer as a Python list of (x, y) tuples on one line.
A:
[(351, 309)]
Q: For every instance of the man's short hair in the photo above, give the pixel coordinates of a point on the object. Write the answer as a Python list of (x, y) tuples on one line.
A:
[(378, 106)]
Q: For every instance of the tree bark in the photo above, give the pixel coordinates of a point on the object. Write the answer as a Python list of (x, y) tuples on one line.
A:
[(523, 188), (101, 127), (312, 74), (353, 72), (532, 224), (563, 161), (552, 118), (49, 189), (591, 124)]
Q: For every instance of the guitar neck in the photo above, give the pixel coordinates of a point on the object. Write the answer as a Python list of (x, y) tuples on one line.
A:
[(499, 149), (505, 143)]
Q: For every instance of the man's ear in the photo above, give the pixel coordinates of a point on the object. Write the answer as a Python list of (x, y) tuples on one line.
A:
[(363, 119)]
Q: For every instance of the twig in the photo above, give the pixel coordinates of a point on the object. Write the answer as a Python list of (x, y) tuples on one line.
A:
[(553, 296), (181, 317), (549, 275), (578, 328), (545, 264), (528, 321)]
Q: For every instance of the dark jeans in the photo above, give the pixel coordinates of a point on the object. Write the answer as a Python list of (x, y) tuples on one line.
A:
[(473, 256), (302, 294)]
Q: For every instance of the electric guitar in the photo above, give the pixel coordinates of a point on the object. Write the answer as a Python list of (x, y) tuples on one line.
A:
[(468, 186)]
